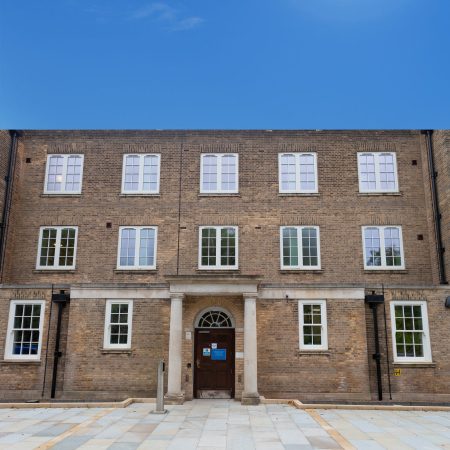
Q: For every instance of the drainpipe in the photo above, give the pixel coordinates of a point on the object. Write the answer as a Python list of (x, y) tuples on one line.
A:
[(373, 301), (8, 197), (61, 300), (435, 204)]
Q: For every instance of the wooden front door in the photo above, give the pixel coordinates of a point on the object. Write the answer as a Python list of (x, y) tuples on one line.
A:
[(214, 363)]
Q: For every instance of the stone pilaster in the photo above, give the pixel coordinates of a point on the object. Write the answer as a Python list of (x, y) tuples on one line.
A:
[(250, 394), (174, 392)]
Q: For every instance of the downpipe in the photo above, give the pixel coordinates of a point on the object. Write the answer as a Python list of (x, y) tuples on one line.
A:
[(435, 204), (373, 301), (61, 300)]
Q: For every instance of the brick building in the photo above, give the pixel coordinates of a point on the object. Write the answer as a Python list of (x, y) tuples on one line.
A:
[(274, 263)]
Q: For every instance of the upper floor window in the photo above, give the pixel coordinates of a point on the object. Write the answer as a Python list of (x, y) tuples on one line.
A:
[(118, 322), (377, 172), (64, 174), (137, 248), (410, 335), (383, 247), (219, 173), (218, 248), (140, 174), (300, 247), (24, 336), (57, 248), (313, 324), (297, 173)]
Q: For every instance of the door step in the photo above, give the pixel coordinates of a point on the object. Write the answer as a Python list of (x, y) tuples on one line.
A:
[(202, 393)]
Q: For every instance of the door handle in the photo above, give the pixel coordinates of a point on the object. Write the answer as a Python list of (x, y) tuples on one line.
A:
[(198, 363)]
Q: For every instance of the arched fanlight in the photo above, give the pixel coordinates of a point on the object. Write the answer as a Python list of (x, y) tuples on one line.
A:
[(215, 319)]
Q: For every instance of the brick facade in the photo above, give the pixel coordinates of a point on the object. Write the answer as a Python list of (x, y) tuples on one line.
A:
[(5, 143), (441, 143), (345, 371)]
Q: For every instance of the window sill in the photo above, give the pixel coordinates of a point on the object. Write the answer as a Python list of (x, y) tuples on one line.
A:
[(135, 270), (218, 194), (304, 352), (118, 351), (384, 271), (217, 270), (413, 365), (61, 195), (379, 194), (22, 361), (139, 195), (54, 271), (298, 194), (286, 271)]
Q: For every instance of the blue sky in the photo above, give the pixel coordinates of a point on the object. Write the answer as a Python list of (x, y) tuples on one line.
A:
[(225, 64)]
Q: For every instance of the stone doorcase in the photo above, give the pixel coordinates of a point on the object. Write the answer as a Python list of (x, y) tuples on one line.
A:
[(189, 296)]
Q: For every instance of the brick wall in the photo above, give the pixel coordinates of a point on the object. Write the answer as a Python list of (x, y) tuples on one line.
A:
[(5, 143), (286, 372), (416, 382), (346, 371), (441, 146), (94, 373), (26, 380), (339, 209)]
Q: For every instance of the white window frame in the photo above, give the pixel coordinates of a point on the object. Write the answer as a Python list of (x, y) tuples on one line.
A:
[(107, 333), (378, 189), (58, 248), (426, 358), (218, 248), (10, 333), (138, 241), (324, 325), (298, 189), (63, 191), (140, 189), (300, 266), (383, 266), (219, 189)]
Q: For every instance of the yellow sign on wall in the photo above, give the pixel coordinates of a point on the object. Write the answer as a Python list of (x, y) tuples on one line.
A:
[(397, 372)]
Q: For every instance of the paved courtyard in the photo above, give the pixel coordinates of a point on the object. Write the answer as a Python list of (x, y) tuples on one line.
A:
[(210, 424)]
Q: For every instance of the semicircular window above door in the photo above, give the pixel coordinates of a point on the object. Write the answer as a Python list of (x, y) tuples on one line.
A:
[(215, 319)]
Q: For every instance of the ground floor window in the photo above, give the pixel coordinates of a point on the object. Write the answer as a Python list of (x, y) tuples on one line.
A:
[(118, 323), (313, 324), (410, 333), (24, 336)]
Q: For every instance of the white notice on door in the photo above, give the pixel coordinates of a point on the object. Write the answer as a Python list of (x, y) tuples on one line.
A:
[(214, 345)]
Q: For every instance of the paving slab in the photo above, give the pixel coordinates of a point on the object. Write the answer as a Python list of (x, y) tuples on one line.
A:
[(222, 424)]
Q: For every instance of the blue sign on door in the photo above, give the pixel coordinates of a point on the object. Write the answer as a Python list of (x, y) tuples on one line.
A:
[(219, 354)]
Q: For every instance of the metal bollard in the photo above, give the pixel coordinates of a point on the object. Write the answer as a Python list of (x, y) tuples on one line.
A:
[(160, 390)]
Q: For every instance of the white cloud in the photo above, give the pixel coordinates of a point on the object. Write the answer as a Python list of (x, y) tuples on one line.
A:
[(187, 24), (159, 10), (173, 19)]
